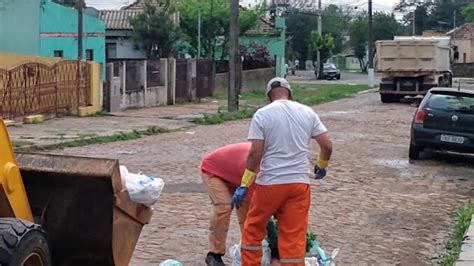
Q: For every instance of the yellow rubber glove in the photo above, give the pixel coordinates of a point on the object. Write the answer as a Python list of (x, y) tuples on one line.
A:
[(247, 178), (321, 163)]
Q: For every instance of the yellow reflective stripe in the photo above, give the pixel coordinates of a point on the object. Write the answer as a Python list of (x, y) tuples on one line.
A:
[(251, 248), (292, 260), (218, 229)]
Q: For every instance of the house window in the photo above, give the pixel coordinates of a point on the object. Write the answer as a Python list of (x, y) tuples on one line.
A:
[(58, 53), (89, 55)]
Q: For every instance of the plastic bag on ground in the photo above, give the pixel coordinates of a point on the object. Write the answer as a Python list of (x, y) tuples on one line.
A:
[(141, 188), (171, 263), (323, 260), (234, 252)]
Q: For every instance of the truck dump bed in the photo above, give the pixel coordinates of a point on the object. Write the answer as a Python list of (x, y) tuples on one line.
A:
[(412, 55)]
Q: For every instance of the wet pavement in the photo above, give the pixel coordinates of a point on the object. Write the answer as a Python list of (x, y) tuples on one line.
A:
[(374, 205)]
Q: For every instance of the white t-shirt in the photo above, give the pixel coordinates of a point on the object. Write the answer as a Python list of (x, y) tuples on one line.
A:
[(287, 128)]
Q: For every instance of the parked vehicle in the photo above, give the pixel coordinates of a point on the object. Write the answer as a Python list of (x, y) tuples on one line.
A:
[(330, 71), (411, 66), (444, 121)]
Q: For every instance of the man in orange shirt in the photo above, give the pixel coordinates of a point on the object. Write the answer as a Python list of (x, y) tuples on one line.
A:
[(221, 172)]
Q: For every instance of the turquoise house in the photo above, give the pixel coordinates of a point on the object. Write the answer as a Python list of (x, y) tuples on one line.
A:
[(46, 28), (271, 35)]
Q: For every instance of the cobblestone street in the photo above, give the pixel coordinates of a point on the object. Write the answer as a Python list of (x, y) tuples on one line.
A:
[(374, 205)]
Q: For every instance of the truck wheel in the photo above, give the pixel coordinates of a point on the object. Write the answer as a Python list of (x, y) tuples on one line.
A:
[(414, 152), (23, 244)]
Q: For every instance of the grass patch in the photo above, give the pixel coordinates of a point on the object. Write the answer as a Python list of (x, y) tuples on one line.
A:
[(21, 143), (99, 114), (462, 221), (309, 94), (223, 116), (121, 136)]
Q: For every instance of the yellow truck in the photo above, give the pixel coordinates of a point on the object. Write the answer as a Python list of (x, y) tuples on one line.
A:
[(64, 210)]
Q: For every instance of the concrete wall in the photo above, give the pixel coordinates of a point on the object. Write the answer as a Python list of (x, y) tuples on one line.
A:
[(252, 80), (8, 60), (463, 70), (466, 50), (58, 31), (19, 26), (123, 49), (134, 88)]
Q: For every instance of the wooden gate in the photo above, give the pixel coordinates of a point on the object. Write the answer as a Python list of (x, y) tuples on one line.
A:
[(204, 78), (35, 88)]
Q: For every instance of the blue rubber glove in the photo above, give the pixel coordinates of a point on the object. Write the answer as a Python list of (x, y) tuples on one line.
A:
[(238, 197), (319, 173)]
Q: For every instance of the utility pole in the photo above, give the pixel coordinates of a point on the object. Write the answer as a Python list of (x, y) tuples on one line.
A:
[(370, 70), (199, 33), (80, 8), (320, 32), (413, 30), (454, 19), (232, 101)]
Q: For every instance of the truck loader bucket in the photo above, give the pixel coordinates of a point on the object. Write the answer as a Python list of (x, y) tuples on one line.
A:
[(81, 205)]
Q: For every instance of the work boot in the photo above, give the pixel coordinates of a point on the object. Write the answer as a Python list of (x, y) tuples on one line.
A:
[(213, 259)]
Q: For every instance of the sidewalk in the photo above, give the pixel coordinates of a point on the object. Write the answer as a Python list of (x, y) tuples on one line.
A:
[(52, 133)]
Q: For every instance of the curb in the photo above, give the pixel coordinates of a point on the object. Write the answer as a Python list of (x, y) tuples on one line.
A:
[(466, 257)]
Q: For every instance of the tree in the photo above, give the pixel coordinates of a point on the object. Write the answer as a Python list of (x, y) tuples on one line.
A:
[(385, 27), (432, 15), (334, 21), (154, 30), (215, 24), (468, 12), (299, 27), (325, 44)]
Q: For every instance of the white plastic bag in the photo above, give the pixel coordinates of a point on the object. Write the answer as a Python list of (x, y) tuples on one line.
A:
[(171, 263), (311, 261), (234, 252), (141, 188)]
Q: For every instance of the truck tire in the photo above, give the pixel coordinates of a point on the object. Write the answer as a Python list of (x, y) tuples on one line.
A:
[(23, 243), (414, 152)]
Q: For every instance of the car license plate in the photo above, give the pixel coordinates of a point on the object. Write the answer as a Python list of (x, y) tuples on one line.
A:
[(452, 139)]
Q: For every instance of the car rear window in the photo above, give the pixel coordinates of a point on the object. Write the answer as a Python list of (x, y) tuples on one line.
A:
[(451, 102)]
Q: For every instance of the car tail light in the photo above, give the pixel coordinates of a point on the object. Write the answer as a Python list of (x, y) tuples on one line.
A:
[(420, 116)]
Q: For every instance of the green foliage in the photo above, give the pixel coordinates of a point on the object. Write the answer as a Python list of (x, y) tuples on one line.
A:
[(468, 12), (325, 45), (433, 15), (215, 24), (310, 236), (299, 27), (385, 27), (155, 31), (120, 136), (309, 94), (223, 116), (462, 221)]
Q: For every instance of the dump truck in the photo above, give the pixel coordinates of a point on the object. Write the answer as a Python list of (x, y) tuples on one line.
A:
[(410, 66), (64, 210)]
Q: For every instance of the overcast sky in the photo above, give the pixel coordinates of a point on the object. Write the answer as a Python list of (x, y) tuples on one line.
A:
[(378, 5)]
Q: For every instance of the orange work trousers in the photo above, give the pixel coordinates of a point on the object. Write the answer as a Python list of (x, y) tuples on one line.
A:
[(290, 204), (221, 193)]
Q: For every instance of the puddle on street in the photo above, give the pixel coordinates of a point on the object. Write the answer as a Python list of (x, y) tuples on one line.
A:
[(397, 164)]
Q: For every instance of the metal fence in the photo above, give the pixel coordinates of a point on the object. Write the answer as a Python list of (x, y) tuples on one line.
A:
[(35, 88)]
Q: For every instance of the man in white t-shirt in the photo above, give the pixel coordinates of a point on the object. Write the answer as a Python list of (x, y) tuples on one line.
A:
[(280, 134)]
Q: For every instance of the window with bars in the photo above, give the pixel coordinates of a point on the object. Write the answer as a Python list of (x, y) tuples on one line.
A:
[(89, 55), (58, 53)]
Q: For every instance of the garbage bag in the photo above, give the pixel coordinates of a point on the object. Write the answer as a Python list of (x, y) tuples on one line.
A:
[(141, 188), (311, 261), (234, 252), (322, 258), (171, 263)]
